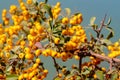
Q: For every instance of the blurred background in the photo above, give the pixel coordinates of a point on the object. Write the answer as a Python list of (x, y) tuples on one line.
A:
[(88, 8)]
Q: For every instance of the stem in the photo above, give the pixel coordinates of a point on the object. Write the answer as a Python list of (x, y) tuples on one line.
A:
[(80, 64), (55, 64), (112, 61), (101, 27)]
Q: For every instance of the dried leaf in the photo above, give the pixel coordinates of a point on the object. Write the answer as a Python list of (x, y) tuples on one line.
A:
[(100, 74), (68, 11), (92, 20)]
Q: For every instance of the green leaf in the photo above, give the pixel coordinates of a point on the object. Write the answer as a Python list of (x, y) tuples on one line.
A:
[(9, 68), (114, 76), (110, 35), (48, 9), (67, 73), (13, 56), (95, 26), (12, 77), (100, 74), (44, 41), (111, 71), (110, 29), (78, 78), (67, 39), (92, 20), (86, 72), (57, 78), (106, 41), (68, 11), (46, 1)]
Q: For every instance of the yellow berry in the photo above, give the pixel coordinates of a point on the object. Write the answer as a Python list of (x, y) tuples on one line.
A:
[(45, 71), (27, 50), (103, 69), (1, 54), (22, 43), (26, 75), (33, 32), (53, 53), (65, 20), (38, 52), (76, 57), (29, 1), (21, 55), (29, 56), (58, 4), (35, 66), (91, 57), (38, 60), (72, 22), (8, 55), (20, 77), (56, 40), (79, 16), (31, 75), (34, 78), (95, 76)]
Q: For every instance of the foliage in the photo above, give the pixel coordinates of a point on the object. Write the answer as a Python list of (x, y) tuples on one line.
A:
[(36, 28)]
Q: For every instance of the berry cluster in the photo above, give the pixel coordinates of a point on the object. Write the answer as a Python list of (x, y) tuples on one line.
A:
[(56, 10), (114, 50)]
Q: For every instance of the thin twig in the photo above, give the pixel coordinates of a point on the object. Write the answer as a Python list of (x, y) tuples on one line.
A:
[(55, 64), (101, 26), (112, 61), (110, 68), (80, 64)]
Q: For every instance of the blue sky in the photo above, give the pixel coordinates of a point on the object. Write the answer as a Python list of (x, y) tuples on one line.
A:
[(88, 8)]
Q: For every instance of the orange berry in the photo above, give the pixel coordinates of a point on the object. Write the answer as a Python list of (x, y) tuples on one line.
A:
[(64, 32), (60, 75)]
